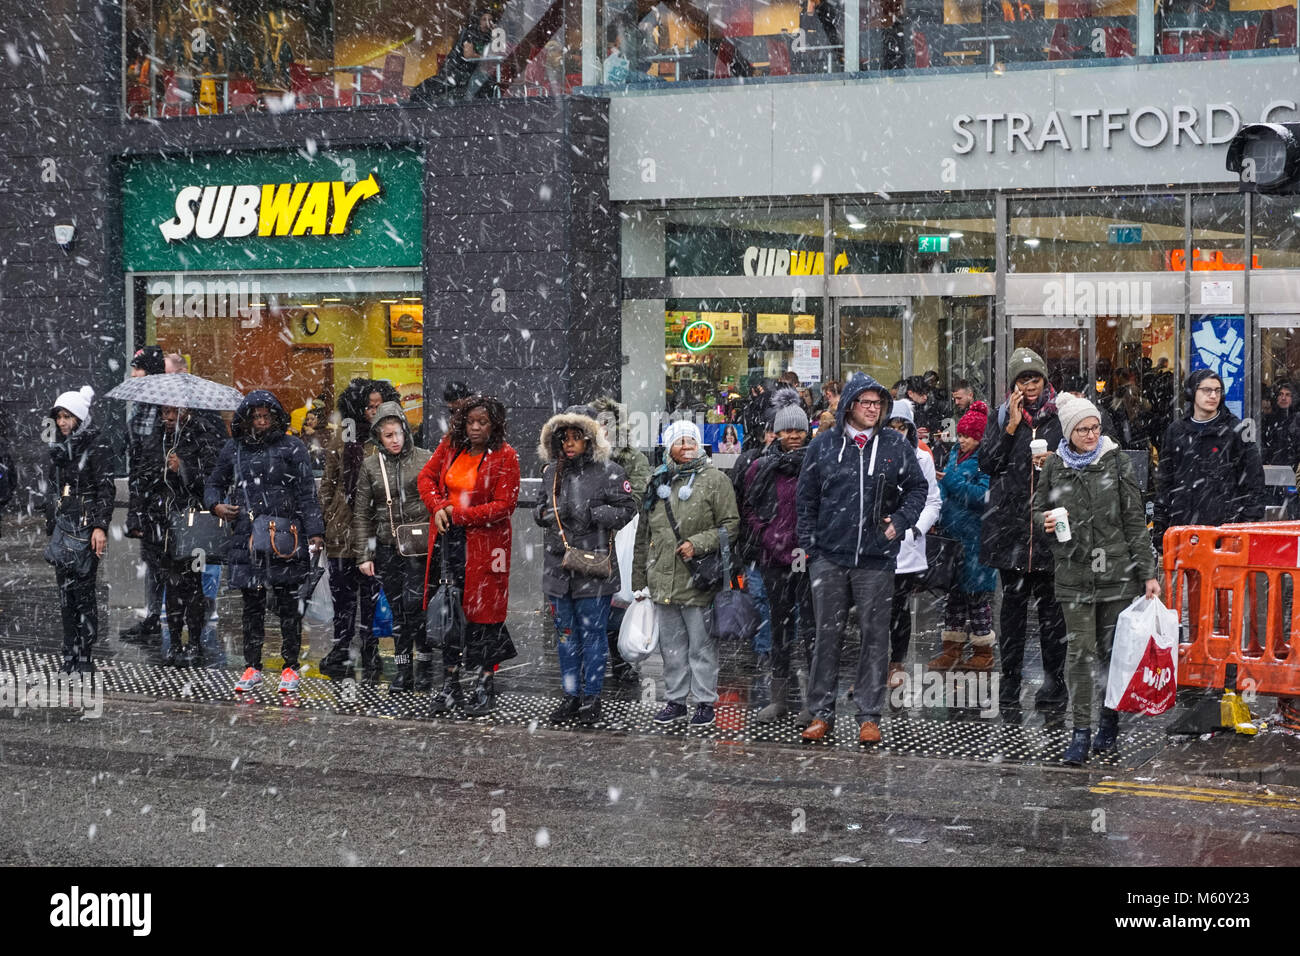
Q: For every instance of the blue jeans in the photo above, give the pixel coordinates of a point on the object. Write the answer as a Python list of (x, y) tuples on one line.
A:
[(754, 585), (581, 642)]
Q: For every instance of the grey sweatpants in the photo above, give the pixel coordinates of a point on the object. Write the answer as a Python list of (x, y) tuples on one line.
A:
[(834, 588), (690, 654)]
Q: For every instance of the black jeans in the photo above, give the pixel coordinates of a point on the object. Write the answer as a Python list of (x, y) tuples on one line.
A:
[(79, 611), (403, 581), (787, 592), (350, 590), (900, 615), (186, 605), (286, 601), (155, 561), (1018, 589)]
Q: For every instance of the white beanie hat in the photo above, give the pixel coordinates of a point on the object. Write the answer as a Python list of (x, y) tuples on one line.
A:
[(682, 428), (77, 402), (1071, 411)]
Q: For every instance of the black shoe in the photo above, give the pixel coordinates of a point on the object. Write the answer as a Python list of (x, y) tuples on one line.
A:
[(448, 696), (336, 665), (481, 700), (192, 656), (589, 712), (402, 679), (1052, 695), (172, 658), (149, 629), (1107, 739), (568, 708), (70, 665), (1076, 754), (624, 673), (423, 672)]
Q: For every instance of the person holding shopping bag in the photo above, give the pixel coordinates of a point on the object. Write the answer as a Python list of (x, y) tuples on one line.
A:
[(1088, 499), (586, 498), (686, 503)]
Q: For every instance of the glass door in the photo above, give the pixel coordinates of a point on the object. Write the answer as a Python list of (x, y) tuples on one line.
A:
[(892, 338), (1066, 343), (875, 337)]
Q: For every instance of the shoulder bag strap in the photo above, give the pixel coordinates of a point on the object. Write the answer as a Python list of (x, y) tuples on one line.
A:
[(726, 557), (672, 522), (242, 487), (555, 504), (383, 474)]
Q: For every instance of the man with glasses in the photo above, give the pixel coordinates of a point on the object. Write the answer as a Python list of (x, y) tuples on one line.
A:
[(1209, 472), (859, 492), (1008, 539)]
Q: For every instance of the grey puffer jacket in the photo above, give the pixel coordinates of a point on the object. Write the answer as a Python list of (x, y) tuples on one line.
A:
[(371, 524), (594, 497)]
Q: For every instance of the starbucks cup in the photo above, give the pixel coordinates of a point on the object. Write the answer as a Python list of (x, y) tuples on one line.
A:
[(1038, 446), (1062, 523)]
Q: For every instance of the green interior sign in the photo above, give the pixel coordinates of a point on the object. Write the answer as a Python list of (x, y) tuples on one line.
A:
[(350, 208)]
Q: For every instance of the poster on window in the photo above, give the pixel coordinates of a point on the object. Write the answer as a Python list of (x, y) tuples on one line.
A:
[(807, 362), (1219, 344)]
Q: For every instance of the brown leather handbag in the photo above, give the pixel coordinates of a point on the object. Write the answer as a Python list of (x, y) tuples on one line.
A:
[(591, 564)]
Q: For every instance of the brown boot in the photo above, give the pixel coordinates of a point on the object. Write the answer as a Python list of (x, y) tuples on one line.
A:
[(954, 643), (981, 653)]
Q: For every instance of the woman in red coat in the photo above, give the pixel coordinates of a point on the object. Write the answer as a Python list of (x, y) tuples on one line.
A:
[(471, 488)]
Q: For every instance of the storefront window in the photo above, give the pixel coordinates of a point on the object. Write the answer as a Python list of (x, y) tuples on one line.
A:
[(1218, 232), (925, 237), (1275, 222), (1141, 233), (198, 57), (745, 240)]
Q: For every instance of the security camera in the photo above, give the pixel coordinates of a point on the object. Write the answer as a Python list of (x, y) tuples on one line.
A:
[(63, 235)]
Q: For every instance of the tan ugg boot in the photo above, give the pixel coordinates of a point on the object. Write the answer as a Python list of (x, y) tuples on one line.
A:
[(954, 643), (981, 652)]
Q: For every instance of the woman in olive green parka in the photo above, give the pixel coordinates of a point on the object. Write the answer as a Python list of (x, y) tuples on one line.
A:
[(1107, 562), (702, 500)]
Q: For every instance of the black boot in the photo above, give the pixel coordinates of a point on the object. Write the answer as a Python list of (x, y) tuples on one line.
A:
[(192, 656), (568, 708), (423, 672), (70, 664), (150, 629), (1107, 738), (372, 665), (402, 680), (337, 664), (589, 712), (449, 695), (481, 699)]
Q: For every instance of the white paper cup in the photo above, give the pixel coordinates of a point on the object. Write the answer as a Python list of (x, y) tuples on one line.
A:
[(1062, 523), (1038, 446)]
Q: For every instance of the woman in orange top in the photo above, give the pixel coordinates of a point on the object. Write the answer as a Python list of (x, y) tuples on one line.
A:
[(471, 488)]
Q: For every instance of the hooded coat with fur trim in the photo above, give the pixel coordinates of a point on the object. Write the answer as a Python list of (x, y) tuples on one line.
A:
[(267, 474), (594, 499)]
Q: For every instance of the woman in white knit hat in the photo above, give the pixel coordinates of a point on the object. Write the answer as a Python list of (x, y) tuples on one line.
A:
[(687, 501), (79, 506), (1104, 565)]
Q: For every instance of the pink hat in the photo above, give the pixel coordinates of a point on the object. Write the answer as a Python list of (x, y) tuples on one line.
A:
[(974, 422)]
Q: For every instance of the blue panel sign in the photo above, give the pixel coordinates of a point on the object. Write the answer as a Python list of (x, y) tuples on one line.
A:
[(1219, 344), (1124, 235)]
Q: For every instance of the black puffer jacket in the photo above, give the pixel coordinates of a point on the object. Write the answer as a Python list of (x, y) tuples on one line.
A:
[(594, 496), (1008, 539), (81, 479), (1209, 474), (145, 511), (265, 475), (197, 443)]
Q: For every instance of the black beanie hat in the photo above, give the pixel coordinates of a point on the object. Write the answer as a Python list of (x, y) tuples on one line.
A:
[(149, 358)]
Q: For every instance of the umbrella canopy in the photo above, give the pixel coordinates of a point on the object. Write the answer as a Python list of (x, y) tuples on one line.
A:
[(180, 389)]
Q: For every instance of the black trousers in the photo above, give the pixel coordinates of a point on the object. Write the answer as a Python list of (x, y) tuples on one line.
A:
[(155, 561), (351, 590), (403, 581), (286, 602), (186, 605), (1018, 590), (787, 592), (79, 612), (900, 615)]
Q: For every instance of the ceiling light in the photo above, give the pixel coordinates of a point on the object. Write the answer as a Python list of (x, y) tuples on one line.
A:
[(1032, 243), (329, 299), (956, 235)]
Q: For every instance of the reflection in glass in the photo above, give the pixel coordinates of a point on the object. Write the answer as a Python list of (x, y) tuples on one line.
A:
[(1136, 233)]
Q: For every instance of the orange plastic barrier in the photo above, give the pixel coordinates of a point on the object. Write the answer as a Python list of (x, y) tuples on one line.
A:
[(1218, 572)]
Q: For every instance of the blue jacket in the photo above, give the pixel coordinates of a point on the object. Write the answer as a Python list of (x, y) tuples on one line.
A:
[(845, 493), (965, 494), (269, 475)]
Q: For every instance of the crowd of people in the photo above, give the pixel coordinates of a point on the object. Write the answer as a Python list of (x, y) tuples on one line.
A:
[(826, 512)]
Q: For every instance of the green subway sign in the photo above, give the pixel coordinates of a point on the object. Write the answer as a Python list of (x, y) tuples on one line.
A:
[(349, 208)]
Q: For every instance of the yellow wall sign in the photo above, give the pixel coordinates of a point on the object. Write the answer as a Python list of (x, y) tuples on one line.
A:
[(283, 209), (697, 336)]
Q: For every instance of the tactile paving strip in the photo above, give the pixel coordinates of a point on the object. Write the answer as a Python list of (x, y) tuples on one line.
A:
[(962, 735)]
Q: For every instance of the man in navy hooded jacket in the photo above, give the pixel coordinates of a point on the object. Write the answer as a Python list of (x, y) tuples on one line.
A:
[(859, 492)]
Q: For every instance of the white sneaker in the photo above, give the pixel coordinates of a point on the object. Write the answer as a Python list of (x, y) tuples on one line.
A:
[(252, 677), (288, 681)]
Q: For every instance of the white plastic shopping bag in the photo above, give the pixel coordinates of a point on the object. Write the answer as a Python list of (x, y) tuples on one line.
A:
[(1144, 659), (639, 634), (320, 607), (624, 549)]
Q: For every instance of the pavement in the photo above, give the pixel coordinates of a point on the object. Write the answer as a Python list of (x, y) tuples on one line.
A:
[(176, 769)]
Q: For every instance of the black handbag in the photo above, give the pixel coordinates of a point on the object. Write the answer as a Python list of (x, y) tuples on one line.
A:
[(192, 530), (706, 569), (69, 547), (943, 557), (444, 617), (735, 615)]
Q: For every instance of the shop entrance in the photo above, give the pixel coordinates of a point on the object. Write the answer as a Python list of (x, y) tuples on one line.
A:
[(890, 338), (1067, 344)]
